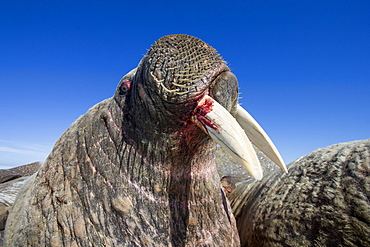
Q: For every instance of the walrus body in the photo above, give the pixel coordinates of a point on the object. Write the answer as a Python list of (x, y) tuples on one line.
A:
[(132, 171), (322, 201), (86, 194)]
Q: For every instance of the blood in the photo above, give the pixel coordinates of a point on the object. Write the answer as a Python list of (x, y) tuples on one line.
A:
[(190, 136), (204, 107), (207, 122)]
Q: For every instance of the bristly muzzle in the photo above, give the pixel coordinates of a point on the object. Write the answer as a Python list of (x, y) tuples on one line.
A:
[(180, 65)]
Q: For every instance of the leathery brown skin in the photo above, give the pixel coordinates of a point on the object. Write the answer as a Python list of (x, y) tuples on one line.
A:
[(138, 169), (324, 200)]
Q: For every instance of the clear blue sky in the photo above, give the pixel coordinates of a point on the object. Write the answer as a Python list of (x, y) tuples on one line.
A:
[(303, 66)]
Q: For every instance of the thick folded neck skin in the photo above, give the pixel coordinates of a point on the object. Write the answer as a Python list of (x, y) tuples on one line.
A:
[(163, 134), (178, 168), (133, 171)]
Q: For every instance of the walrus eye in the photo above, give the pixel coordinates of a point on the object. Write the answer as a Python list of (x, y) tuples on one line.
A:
[(125, 87)]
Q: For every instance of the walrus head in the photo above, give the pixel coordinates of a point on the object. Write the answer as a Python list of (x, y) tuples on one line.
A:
[(182, 82), (138, 169)]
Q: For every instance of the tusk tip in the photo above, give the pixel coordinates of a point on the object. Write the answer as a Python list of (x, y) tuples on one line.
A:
[(282, 166), (254, 170), (258, 177), (285, 170)]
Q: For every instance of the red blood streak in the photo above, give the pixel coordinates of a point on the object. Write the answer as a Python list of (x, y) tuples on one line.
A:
[(204, 107)]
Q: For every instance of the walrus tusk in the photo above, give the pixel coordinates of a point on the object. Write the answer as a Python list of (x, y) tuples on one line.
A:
[(223, 128), (259, 137)]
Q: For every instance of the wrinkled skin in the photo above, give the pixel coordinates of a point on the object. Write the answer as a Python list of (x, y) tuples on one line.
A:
[(134, 170), (322, 201)]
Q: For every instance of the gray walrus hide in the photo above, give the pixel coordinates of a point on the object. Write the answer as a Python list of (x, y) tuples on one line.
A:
[(138, 169)]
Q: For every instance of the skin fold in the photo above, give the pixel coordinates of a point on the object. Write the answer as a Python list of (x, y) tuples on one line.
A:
[(135, 170)]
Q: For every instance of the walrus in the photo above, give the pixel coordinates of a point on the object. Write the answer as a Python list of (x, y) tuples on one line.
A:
[(138, 169), (324, 200)]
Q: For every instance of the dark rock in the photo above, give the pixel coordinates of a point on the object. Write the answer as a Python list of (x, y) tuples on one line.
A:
[(6, 175), (19, 171), (26, 170)]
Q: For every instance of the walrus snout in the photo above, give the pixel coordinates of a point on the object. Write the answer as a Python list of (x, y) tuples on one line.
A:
[(181, 67), (182, 78)]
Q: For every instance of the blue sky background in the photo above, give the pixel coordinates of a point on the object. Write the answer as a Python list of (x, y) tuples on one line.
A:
[(303, 66)]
